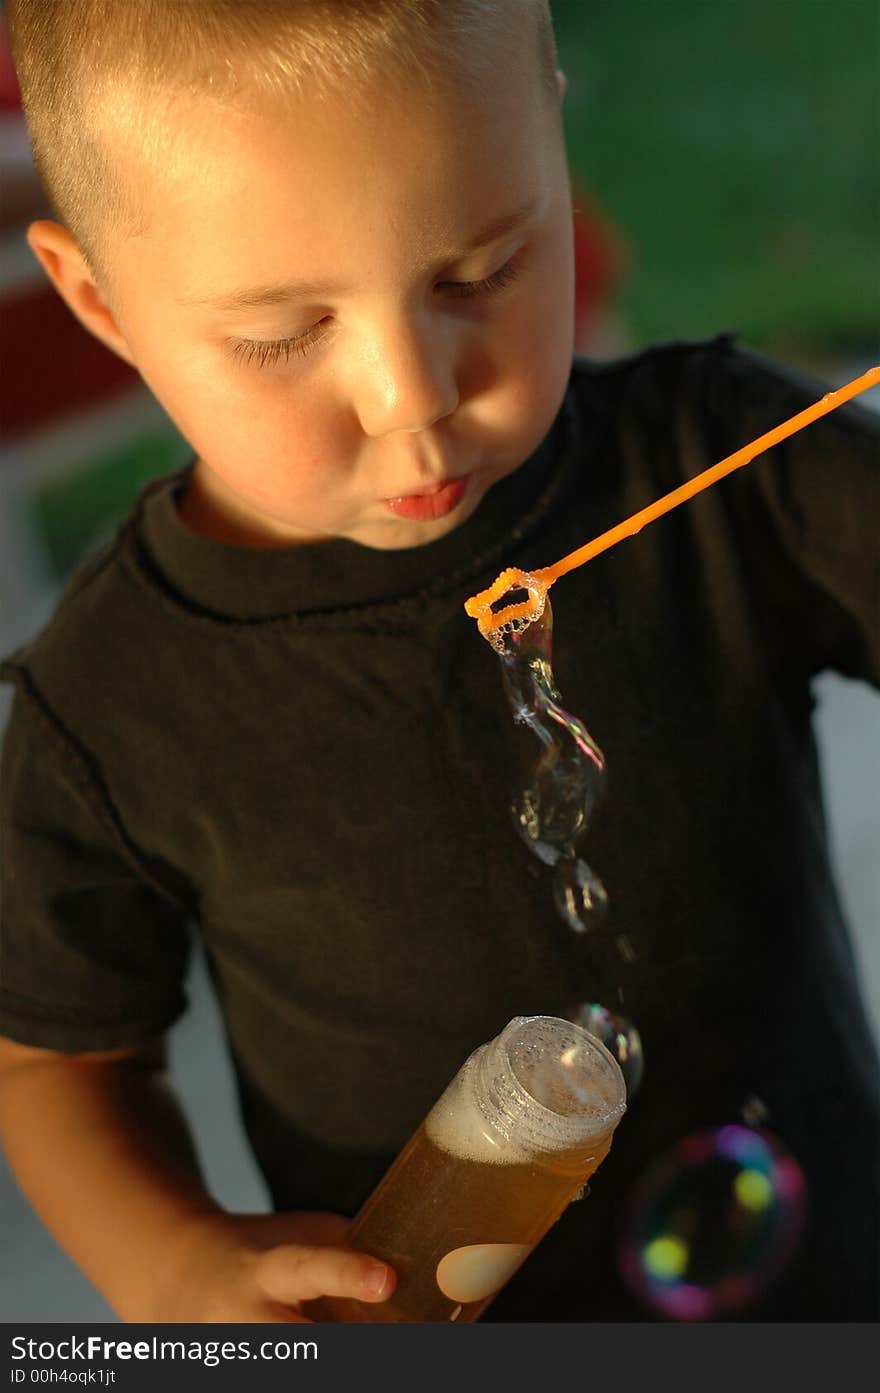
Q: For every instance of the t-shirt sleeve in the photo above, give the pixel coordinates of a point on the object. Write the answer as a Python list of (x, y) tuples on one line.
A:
[(93, 953), (809, 511)]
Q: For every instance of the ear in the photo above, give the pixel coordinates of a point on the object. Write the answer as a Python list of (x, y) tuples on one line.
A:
[(561, 83), (66, 268)]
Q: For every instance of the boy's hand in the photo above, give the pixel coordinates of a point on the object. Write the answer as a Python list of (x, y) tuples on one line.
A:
[(101, 1148), (259, 1268)]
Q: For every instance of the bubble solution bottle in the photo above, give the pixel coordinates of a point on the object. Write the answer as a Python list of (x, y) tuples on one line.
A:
[(513, 1139)]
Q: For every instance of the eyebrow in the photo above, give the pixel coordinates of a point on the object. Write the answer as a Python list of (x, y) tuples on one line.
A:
[(282, 292)]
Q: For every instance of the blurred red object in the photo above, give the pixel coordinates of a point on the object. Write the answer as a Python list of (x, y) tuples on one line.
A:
[(10, 95), (600, 263), (51, 368)]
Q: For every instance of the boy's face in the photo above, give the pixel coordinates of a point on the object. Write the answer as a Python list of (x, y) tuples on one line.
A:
[(422, 372)]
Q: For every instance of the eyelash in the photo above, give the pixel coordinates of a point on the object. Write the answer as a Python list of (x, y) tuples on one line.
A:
[(267, 352)]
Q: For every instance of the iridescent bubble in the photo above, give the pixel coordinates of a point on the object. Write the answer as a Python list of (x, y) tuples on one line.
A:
[(712, 1223), (579, 894), (618, 1035)]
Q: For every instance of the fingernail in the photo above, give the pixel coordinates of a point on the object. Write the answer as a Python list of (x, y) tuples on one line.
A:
[(375, 1280)]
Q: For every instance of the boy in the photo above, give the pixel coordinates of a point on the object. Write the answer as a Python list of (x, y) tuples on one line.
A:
[(336, 242)]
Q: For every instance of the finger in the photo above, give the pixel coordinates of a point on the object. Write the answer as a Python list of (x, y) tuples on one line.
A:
[(297, 1272)]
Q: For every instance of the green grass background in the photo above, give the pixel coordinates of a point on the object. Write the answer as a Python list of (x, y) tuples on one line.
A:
[(735, 145)]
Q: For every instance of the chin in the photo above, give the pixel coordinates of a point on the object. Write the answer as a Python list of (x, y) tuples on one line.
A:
[(400, 536)]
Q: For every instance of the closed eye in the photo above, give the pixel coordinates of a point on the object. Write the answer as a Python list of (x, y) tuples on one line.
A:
[(496, 281), (266, 352)]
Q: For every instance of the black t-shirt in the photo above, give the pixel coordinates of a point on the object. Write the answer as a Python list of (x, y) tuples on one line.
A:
[(307, 752)]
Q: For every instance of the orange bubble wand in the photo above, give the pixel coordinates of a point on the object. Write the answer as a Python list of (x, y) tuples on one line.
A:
[(492, 622)]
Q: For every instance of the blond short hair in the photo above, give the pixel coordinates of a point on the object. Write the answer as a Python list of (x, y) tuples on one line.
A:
[(71, 56)]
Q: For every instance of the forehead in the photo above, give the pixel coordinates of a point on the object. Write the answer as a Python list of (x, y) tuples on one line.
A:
[(308, 185)]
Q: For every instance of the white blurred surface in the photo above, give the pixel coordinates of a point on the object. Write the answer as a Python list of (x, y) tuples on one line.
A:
[(847, 723)]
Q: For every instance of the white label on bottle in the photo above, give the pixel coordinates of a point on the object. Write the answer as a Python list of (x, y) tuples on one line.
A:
[(476, 1271)]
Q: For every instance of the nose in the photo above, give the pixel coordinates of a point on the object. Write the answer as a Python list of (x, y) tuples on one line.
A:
[(407, 380)]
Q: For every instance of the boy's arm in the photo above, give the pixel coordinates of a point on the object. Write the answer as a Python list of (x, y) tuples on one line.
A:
[(101, 1149), (92, 945)]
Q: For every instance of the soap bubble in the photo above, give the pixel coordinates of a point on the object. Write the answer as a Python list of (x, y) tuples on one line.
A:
[(579, 894), (625, 948), (618, 1035), (552, 812), (754, 1111), (712, 1223)]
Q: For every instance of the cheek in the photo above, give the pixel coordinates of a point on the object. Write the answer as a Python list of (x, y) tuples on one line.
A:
[(262, 430), (308, 428), (209, 399), (267, 414), (537, 349), (555, 299), (533, 368), (540, 326)]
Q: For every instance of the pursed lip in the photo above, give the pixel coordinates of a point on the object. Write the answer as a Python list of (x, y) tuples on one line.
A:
[(434, 502), (428, 492)]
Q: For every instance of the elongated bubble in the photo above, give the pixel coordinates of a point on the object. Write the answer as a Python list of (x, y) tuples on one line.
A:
[(553, 811)]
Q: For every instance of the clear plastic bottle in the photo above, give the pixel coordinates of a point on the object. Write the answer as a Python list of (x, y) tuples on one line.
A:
[(513, 1139)]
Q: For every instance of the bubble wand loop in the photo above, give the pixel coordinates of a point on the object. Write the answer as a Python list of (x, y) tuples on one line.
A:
[(493, 623)]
